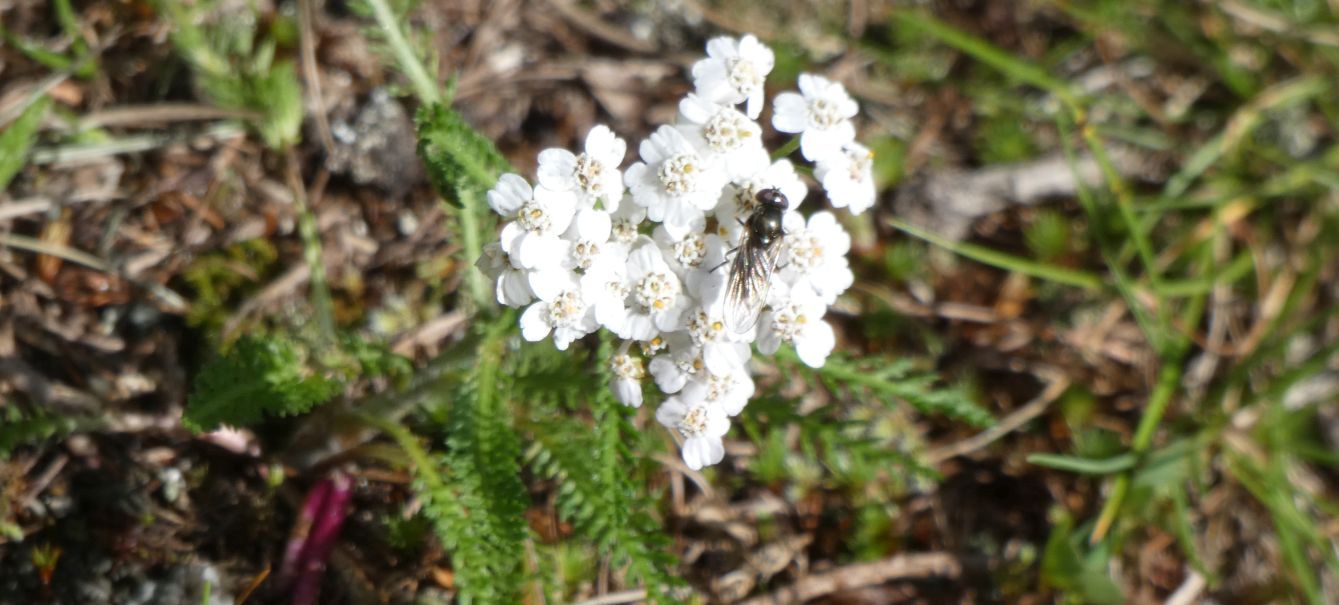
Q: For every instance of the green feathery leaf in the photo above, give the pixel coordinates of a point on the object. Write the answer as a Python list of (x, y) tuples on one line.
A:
[(259, 376), (461, 162), (18, 429), (479, 512), (596, 490)]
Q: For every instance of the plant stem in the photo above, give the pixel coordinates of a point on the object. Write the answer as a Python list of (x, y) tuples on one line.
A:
[(787, 149), (424, 87), (1169, 378), (322, 308), (427, 469), (472, 249)]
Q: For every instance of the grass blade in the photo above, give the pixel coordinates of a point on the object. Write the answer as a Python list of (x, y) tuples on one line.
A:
[(17, 140), (1001, 260)]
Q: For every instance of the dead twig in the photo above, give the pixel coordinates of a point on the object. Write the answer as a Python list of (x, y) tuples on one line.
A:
[(312, 72), (592, 24), (616, 598), (160, 113), (1057, 382), (918, 565)]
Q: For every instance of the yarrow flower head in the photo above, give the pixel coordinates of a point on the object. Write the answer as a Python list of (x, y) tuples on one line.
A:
[(674, 182), (848, 177), (821, 113), (647, 252), (593, 175), (734, 71)]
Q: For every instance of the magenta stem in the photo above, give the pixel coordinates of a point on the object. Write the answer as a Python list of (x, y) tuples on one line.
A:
[(321, 543), (302, 527)]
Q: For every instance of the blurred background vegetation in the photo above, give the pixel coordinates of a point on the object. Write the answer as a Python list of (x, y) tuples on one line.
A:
[(1089, 357)]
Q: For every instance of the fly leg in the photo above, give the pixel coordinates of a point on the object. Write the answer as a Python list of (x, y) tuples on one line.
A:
[(727, 259)]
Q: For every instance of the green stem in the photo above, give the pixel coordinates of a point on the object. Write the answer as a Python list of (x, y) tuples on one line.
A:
[(787, 149), (1169, 378), (472, 248), (427, 469), (322, 307), (424, 87), (1124, 203)]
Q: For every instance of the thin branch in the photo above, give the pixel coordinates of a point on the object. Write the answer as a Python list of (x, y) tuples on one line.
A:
[(919, 565)]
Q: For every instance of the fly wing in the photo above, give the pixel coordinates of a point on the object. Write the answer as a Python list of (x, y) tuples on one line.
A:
[(750, 278)]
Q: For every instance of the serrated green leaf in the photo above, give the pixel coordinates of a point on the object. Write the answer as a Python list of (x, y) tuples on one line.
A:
[(259, 376), (18, 429), (461, 162), (18, 138)]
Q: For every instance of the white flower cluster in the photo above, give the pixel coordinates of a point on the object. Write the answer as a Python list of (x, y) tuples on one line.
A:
[(644, 252)]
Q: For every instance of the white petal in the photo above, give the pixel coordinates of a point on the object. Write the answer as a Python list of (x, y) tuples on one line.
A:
[(533, 251), (510, 193), (722, 47), (753, 50), (513, 289), (592, 225), (671, 412), (549, 283), (679, 218), (754, 107), (666, 373), (713, 451), (605, 146), (790, 113), (696, 109), (818, 145), (627, 392), (613, 315), (718, 424), (812, 86), (533, 326), (636, 175), (815, 343), (507, 239), (712, 82), (768, 340), (671, 319), (557, 168), (719, 357), (638, 327), (696, 453)]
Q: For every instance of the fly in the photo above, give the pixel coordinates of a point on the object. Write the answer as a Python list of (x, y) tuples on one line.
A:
[(755, 258)]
